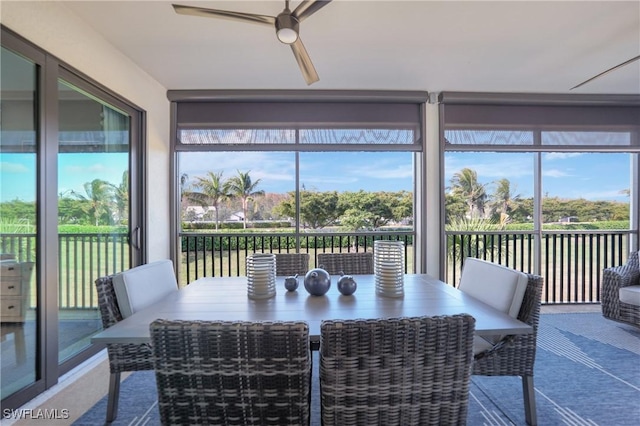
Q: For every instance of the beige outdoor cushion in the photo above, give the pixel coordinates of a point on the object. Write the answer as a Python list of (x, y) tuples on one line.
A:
[(496, 285), (630, 295), (144, 285)]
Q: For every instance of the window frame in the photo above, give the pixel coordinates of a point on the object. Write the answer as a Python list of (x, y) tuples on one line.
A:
[(482, 111), (200, 101)]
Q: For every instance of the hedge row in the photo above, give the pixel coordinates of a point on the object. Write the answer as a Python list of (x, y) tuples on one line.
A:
[(273, 243), (186, 226)]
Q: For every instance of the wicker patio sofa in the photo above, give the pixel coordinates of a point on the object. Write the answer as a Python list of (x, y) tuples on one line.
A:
[(621, 292)]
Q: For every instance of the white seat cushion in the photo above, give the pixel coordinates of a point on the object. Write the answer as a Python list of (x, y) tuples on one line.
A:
[(496, 285), (144, 285), (630, 295)]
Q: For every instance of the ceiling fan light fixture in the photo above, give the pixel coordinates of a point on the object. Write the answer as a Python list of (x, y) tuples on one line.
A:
[(287, 28)]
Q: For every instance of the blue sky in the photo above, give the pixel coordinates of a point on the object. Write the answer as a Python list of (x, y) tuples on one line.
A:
[(17, 172), (344, 171), (592, 176), (565, 175)]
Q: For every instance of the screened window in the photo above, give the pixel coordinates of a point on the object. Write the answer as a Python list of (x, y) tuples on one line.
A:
[(323, 171), (542, 183), (488, 137)]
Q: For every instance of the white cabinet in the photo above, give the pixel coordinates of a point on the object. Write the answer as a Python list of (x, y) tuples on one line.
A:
[(15, 285)]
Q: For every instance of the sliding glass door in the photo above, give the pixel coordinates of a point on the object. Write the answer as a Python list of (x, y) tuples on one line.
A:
[(70, 209), (18, 223), (93, 209)]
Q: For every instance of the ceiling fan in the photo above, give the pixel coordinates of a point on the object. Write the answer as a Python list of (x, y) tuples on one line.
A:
[(607, 71), (286, 24)]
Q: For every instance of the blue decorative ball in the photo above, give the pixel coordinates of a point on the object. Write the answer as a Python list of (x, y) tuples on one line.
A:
[(347, 285), (317, 282), (291, 283)]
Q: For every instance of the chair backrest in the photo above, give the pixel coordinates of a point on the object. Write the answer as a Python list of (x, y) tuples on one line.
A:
[(515, 354), (108, 301), (633, 262), (144, 285), (232, 372), (399, 371), (531, 303), (496, 285), (122, 357), (292, 264), (348, 263)]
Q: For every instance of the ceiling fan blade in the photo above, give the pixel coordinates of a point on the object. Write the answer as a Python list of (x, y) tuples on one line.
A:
[(304, 62), (606, 72), (308, 8), (225, 14)]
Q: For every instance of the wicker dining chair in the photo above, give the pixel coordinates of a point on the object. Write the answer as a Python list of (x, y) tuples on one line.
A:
[(122, 357), (347, 263), (292, 263), (396, 371), (515, 355), (232, 372), (615, 278)]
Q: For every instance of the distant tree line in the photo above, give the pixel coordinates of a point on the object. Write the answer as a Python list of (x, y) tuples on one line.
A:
[(100, 203), (467, 198), (359, 210), (104, 203), (354, 210)]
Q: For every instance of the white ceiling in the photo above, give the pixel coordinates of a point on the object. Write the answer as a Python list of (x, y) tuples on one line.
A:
[(502, 46)]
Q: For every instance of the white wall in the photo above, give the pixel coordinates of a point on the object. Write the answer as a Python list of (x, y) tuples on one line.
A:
[(51, 26)]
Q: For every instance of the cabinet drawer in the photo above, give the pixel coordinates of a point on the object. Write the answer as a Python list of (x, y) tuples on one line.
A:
[(11, 309), (10, 286), (11, 270)]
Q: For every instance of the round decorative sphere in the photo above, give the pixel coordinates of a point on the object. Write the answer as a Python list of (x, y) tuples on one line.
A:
[(317, 282), (347, 285), (291, 283)]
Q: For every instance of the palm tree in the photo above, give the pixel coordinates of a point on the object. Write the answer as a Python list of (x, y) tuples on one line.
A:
[(241, 186), (465, 184), (466, 239), (121, 195), (213, 190), (504, 197), (98, 198)]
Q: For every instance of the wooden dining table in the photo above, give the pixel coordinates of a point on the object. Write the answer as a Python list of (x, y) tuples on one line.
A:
[(225, 298)]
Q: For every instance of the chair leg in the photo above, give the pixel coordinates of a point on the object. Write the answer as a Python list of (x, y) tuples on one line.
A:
[(529, 395), (112, 398)]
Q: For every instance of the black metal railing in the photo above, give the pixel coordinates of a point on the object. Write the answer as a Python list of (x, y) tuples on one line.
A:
[(82, 259), (571, 262), (224, 254)]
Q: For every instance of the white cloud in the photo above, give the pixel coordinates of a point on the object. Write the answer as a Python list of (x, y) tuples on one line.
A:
[(260, 165), (488, 169), (561, 155), (380, 171), (555, 173), (308, 181), (7, 167), (601, 195), (92, 169)]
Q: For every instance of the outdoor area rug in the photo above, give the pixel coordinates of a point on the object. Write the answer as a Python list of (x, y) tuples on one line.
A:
[(587, 373)]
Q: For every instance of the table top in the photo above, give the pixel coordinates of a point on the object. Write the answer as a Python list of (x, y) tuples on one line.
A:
[(225, 298)]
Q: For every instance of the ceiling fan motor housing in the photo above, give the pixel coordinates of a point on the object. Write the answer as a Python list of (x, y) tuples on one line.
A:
[(287, 28)]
